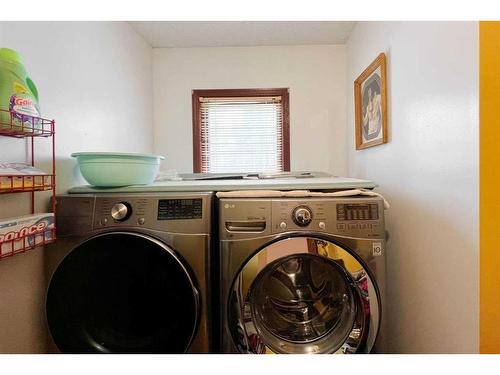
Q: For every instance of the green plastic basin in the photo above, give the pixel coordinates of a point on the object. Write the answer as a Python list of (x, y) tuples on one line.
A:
[(113, 169)]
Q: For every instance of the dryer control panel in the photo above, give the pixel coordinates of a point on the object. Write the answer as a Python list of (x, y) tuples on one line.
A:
[(170, 213), (167, 212)]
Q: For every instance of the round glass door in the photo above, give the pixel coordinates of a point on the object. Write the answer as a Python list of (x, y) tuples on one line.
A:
[(303, 295), (122, 293)]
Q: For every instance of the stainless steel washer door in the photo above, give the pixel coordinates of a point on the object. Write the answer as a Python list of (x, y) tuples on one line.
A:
[(122, 293), (303, 295)]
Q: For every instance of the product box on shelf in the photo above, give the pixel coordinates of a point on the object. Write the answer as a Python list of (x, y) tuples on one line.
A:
[(25, 232), (17, 176)]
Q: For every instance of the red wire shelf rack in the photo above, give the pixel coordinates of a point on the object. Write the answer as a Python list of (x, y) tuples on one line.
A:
[(25, 183), (13, 124), (16, 125)]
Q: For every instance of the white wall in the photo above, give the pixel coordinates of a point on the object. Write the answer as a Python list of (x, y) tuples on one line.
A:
[(94, 79), (314, 74), (429, 173)]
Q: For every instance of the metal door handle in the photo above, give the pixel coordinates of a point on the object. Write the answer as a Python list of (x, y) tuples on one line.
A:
[(245, 226)]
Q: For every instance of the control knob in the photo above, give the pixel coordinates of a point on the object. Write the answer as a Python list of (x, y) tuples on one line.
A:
[(121, 211), (302, 216)]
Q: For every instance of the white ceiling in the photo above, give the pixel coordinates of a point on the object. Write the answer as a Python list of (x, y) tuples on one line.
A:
[(244, 33)]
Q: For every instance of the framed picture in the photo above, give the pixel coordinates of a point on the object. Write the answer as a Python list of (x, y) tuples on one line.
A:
[(370, 102)]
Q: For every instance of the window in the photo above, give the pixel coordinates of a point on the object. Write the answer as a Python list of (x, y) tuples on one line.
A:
[(244, 130)]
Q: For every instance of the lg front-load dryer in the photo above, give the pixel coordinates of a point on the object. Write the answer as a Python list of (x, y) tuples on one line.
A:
[(302, 275), (130, 273)]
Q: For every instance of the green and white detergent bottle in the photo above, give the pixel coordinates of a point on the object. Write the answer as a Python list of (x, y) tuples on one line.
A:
[(18, 94)]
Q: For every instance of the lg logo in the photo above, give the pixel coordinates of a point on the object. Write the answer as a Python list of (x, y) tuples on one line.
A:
[(377, 249)]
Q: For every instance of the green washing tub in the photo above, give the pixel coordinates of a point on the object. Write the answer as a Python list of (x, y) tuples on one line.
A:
[(113, 169)]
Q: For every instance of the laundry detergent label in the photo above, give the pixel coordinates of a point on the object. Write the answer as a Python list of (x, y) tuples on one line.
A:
[(23, 104)]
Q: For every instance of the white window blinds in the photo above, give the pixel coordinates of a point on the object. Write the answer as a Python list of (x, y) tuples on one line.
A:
[(241, 134)]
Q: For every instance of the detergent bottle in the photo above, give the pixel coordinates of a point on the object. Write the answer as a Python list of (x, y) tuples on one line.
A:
[(18, 94)]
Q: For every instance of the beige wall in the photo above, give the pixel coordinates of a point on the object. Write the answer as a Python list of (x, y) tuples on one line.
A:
[(314, 74), (94, 79), (429, 173)]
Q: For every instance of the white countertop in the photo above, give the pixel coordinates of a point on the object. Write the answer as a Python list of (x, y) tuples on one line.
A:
[(317, 183)]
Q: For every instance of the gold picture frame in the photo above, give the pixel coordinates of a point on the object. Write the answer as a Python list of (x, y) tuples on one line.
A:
[(370, 105)]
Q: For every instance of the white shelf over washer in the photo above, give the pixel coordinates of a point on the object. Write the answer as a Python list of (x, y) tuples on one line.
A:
[(315, 183)]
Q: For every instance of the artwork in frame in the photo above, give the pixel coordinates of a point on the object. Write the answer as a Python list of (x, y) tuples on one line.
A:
[(370, 101)]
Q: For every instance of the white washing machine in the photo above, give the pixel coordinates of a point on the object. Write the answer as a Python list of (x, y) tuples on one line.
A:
[(130, 273), (302, 275)]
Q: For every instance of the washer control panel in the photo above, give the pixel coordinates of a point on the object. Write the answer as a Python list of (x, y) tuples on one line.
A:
[(360, 217), (353, 217), (302, 216), (357, 211)]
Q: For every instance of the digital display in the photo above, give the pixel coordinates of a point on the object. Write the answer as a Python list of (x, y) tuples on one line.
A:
[(179, 209), (357, 212)]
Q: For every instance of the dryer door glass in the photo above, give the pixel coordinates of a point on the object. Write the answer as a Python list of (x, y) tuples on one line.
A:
[(122, 293), (303, 295)]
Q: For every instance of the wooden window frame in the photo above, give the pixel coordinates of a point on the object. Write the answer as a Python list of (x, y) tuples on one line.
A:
[(218, 93)]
